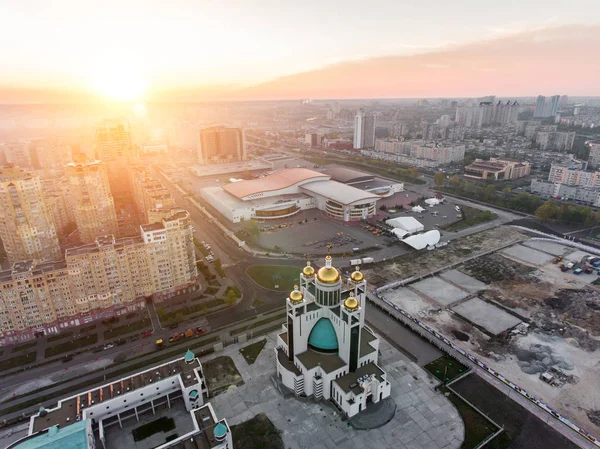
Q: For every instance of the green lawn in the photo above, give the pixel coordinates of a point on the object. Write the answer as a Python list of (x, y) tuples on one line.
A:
[(212, 290), (471, 217), (447, 366), (256, 433), (251, 352), (127, 328), (239, 330), (73, 345), (263, 276), (60, 336), (15, 362), (477, 427), (25, 346)]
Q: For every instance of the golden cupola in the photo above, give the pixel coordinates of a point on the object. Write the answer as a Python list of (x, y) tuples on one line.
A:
[(308, 271), (357, 276), (351, 303), (328, 274), (296, 295)]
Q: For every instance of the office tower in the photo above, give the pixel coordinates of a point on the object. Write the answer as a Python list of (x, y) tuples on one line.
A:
[(219, 144), (106, 275), (364, 130), (26, 226), (92, 201)]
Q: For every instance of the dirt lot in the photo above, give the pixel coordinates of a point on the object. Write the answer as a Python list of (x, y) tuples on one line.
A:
[(522, 430), (423, 262)]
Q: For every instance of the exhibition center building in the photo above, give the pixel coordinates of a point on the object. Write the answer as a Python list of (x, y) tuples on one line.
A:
[(286, 192)]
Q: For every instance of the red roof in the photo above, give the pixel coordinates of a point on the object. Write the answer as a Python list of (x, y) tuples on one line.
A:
[(276, 181)]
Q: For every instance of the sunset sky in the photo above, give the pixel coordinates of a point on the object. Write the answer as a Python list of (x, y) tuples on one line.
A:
[(131, 49)]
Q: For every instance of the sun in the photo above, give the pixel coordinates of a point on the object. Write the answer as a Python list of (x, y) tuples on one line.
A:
[(121, 85)]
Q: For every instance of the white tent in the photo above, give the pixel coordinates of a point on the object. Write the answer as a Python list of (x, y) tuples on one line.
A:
[(432, 201), (400, 233), (423, 240), (408, 224), (417, 209)]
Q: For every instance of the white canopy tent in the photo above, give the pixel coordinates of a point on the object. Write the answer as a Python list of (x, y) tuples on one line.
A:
[(418, 209), (421, 241), (432, 201), (408, 224)]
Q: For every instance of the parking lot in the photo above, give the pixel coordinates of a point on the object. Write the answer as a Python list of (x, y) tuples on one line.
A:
[(431, 217), (313, 236)]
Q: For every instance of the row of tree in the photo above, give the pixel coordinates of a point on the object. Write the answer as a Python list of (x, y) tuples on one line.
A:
[(552, 210)]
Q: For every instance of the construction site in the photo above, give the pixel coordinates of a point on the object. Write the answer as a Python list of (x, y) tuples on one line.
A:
[(527, 307)]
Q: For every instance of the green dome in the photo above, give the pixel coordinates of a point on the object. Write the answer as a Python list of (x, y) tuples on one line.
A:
[(322, 337), (220, 431)]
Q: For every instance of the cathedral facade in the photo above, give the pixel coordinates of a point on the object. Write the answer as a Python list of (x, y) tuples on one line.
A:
[(326, 350)]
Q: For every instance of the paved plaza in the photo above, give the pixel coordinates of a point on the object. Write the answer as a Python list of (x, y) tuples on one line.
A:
[(424, 418), (555, 249), (439, 290)]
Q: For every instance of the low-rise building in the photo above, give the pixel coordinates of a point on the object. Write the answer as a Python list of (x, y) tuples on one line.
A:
[(497, 169), (107, 416)]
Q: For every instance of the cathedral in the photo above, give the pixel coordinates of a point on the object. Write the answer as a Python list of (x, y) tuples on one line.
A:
[(326, 350)]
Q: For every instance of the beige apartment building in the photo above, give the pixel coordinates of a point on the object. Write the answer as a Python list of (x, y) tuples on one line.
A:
[(152, 199), (91, 200), (110, 276), (26, 224)]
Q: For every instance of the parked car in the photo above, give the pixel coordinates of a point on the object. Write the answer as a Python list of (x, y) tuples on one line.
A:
[(147, 334), (200, 330), (97, 349), (108, 346), (67, 358)]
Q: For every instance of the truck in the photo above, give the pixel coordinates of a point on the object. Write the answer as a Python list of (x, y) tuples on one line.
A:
[(189, 333), (367, 260), (354, 262)]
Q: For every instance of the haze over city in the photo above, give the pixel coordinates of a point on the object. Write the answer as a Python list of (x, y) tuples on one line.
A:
[(307, 225), (195, 51)]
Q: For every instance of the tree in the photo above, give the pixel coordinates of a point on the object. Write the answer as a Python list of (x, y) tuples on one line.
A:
[(178, 317), (547, 211), (231, 297), (160, 311), (506, 193), (489, 193), (455, 181), (438, 179), (414, 172)]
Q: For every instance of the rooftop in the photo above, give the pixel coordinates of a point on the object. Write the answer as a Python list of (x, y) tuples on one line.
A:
[(340, 193), (348, 175), (328, 362), (68, 437), (152, 227), (276, 181), (349, 382), (71, 408)]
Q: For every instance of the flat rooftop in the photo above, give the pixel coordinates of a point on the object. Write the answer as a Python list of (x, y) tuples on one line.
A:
[(328, 362), (230, 167), (349, 382), (69, 409)]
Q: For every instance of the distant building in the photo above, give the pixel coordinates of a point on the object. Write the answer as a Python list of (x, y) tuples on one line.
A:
[(487, 113), (18, 154), (594, 157), (91, 200), (565, 174), (417, 153), (219, 144), (497, 169), (27, 227), (555, 141), (546, 107), (364, 130), (103, 417), (325, 350), (99, 279), (587, 195), (314, 139)]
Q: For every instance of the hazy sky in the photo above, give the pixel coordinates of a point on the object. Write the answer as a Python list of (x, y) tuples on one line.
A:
[(128, 44)]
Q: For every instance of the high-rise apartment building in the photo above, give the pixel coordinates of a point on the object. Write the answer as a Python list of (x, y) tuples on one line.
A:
[(91, 200), (115, 149), (219, 144), (594, 157), (103, 277), (26, 225), (568, 175), (555, 141), (314, 139), (58, 200), (546, 107), (364, 130), (18, 153), (153, 200)]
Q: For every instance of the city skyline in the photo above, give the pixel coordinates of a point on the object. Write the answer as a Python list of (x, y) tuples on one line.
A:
[(158, 53)]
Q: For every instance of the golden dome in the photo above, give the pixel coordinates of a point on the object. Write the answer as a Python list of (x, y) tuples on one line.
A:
[(296, 295), (328, 274), (308, 271), (351, 302), (357, 276)]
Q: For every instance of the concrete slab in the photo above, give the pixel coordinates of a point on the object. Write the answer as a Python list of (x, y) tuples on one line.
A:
[(407, 299), (440, 290), (465, 282), (491, 318), (556, 249), (527, 255)]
